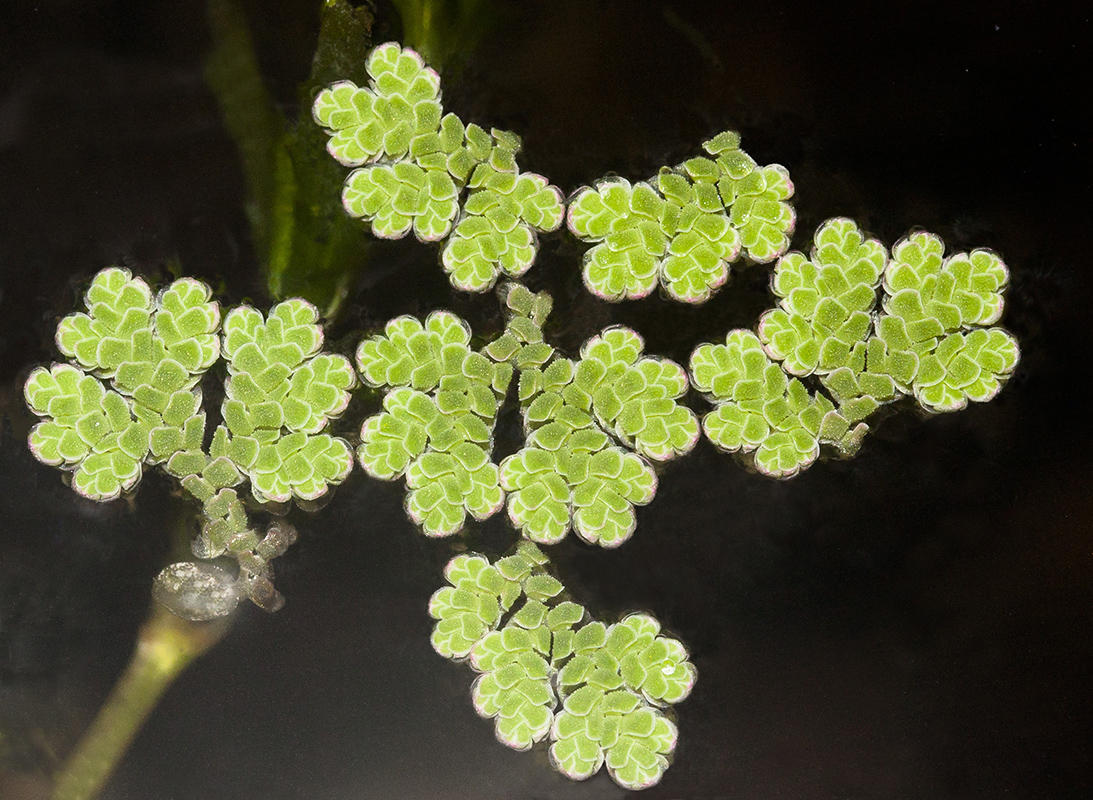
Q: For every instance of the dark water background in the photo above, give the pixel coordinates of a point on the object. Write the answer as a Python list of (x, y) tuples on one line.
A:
[(914, 623)]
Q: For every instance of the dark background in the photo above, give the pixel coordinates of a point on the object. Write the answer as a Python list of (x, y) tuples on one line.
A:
[(913, 623)]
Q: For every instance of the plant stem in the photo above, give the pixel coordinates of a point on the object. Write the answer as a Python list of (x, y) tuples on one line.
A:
[(165, 647)]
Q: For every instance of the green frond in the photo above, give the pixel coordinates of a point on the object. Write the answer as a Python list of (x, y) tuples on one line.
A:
[(437, 425), (824, 303), (401, 102), (281, 392), (153, 351), (400, 197), (961, 291), (758, 410), (930, 336), (497, 234), (433, 170), (594, 690), (684, 227)]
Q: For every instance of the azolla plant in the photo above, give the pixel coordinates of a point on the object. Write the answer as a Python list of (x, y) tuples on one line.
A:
[(548, 672), (593, 428), (130, 399), (855, 327)]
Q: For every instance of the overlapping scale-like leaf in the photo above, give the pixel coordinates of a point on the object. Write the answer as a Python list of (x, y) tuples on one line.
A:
[(683, 228), (281, 392), (825, 301), (149, 348), (497, 232), (401, 102), (757, 198), (933, 345), (960, 291), (628, 223), (758, 409), (535, 654), (515, 686), (438, 418), (400, 197), (153, 350), (299, 465), (965, 366), (703, 246), (636, 398), (445, 486), (597, 727), (479, 592), (86, 429), (119, 309), (583, 482), (426, 162), (571, 474)]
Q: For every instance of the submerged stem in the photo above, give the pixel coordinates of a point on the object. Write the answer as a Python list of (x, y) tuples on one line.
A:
[(165, 647)]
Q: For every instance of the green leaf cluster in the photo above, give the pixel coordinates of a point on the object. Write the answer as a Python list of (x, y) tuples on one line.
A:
[(547, 672), (152, 350), (436, 428), (936, 309), (497, 234), (420, 162), (685, 226), (279, 396), (928, 340), (759, 411), (592, 428)]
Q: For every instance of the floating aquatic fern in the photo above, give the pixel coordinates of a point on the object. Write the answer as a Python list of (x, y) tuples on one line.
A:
[(592, 428), (685, 226), (279, 396), (928, 341), (437, 425), (823, 361), (416, 165), (547, 672), (153, 351)]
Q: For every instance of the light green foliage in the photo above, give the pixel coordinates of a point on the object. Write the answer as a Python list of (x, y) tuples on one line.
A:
[(437, 425), (152, 350), (595, 490), (522, 344), (572, 471), (626, 220), (758, 410), (87, 429), (929, 342), (402, 101), (427, 161), (497, 235), (634, 397), (757, 197), (595, 727), (934, 343), (684, 227), (533, 652), (824, 303), (280, 394), (402, 196)]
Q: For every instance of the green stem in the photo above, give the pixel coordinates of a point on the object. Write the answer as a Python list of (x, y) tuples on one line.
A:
[(249, 114), (166, 646)]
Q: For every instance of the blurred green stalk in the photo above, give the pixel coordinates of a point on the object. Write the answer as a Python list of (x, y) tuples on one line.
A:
[(165, 647), (308, 246)]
